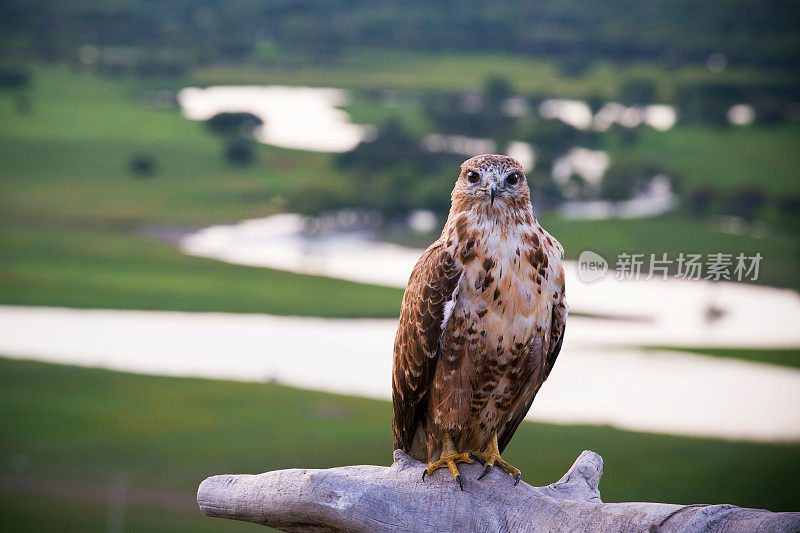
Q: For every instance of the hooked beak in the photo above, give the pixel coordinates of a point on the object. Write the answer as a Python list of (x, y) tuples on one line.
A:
[(492, 192)]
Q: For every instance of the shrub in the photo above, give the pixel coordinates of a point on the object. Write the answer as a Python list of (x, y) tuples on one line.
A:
[(239, 151), (623, 182), (13, 78), (234, 124), (639, 92), (789, 212), (700, 201), (142, 165)]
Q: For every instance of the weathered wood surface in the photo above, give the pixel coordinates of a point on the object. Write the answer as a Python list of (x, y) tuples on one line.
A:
[(375, 498)]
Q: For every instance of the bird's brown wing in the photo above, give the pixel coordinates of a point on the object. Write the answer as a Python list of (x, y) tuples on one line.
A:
[(558, 326), (418, 341)]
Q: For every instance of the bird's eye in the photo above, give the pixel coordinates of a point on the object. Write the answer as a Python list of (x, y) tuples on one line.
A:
[(473, 176), (512, 178)]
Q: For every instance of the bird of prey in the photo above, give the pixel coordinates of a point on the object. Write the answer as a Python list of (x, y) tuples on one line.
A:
[(481, 324)]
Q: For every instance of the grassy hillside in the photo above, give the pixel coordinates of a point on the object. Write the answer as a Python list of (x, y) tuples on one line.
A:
[(724, 159), (122, 270), (74, 219), (73, 427), (419, 71), (68, 160)]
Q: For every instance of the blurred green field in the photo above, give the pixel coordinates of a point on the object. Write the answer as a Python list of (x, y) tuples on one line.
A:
[(675, 233), (67, 425), (67, 160), (122, 270), (784, 357), (77, 226), (417, 71), (723, 159)]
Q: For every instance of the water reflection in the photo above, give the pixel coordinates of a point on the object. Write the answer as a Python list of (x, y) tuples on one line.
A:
[(304, 118)]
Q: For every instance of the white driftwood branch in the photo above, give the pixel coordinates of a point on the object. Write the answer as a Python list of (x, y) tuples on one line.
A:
[(376, 498)]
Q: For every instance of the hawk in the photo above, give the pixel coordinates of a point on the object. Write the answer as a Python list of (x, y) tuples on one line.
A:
[(481, 324)]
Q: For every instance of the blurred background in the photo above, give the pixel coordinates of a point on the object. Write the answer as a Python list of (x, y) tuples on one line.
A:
[(209, 209)]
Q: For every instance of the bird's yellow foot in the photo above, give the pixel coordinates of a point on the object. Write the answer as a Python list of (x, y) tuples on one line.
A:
[(491, 457), (450, 462), (450, 459)]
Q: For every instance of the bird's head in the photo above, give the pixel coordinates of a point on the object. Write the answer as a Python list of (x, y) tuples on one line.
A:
[(493, 181)]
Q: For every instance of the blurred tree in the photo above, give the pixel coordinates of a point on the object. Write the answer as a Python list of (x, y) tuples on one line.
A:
[(392, 146), (559, 137), (595, 102), (617, 133), (14, 78), (480, 115), (18, 81), (789, 212), (236, 129), (710, 102), (770, 110), (622, 182), (393, 174), (545, 192), (639, 92), (746, 203), (234, 124), (552, 138), (700, 201), (239, 150), (497, 90)]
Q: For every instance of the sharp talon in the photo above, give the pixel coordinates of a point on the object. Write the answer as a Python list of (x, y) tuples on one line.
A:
[(424, 473), (485, 471), (517, 478), (476, 458), (460, 483)]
